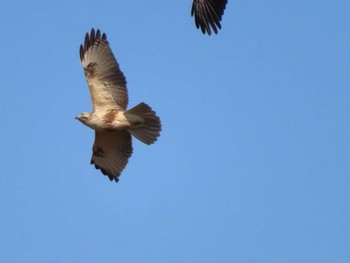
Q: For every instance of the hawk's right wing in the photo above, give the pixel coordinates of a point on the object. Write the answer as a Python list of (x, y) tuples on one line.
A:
[(111, 152)]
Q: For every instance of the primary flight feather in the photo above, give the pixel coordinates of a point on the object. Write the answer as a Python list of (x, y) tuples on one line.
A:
[(112, 122)]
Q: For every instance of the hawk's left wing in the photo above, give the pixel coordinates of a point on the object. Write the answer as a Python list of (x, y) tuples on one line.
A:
[(111, 152), (106, 81)]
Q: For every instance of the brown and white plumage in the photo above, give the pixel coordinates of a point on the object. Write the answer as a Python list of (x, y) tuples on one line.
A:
[(207, 14), (111, 152), (106, 81), (112, 122)]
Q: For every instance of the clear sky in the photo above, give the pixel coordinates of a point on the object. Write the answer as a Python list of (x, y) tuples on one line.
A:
[(253, 163)]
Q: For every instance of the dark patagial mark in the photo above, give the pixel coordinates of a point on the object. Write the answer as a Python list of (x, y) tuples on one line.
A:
[(98, 152), (90, 70)]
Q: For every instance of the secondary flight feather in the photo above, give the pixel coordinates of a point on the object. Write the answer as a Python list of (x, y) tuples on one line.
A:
[(112, 122)]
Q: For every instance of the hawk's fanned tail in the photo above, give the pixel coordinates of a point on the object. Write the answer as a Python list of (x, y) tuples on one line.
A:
[(146, 124)]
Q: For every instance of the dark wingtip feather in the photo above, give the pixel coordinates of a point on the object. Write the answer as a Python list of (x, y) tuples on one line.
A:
[(92, 35), (104, 172), (98, 35), (86, 42), (91, 39), (81, 52)]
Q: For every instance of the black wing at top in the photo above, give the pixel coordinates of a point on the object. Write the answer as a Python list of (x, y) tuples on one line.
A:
[(207, 14)]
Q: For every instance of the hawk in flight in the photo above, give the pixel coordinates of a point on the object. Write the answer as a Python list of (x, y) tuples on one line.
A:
[(112, 122), (207, 14)]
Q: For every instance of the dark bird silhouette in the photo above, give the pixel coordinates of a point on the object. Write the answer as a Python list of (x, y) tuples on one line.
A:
[(207, 14)]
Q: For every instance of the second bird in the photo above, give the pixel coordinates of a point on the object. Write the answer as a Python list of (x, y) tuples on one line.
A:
[(207, 14)]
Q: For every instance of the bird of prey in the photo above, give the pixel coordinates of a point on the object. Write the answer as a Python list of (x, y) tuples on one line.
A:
[(112, 122), (207, 14)]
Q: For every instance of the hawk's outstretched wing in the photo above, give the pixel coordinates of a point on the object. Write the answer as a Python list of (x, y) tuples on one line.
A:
[(111, 152), (106, 81), (207, 14)]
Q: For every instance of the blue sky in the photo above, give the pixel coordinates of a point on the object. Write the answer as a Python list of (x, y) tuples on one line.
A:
[(253, 161)]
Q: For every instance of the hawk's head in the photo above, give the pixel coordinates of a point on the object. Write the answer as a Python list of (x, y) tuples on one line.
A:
[(84, 117)]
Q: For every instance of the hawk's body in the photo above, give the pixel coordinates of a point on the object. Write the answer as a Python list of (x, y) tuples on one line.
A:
[(112, 122), (207, 14)]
